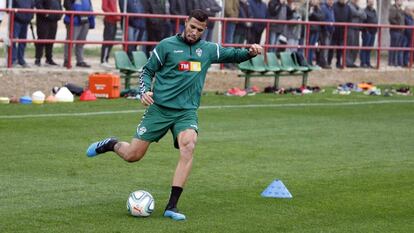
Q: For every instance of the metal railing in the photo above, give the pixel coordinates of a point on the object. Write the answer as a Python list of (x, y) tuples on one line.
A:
[(224, 21)]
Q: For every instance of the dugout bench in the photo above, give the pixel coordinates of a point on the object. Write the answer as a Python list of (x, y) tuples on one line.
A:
[(130, 69), (272, 68)]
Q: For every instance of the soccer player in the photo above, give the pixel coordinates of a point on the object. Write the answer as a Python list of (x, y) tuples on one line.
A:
[(179, 65)]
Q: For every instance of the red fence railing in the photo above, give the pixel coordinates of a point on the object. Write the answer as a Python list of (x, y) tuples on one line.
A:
[(378, 47)]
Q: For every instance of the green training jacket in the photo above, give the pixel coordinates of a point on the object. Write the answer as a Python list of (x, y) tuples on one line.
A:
[(180, 70)]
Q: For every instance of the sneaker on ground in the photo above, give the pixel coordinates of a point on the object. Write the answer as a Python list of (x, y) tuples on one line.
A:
[(106, 65), (236, 92), (249, 91), (99, 147), (51, 63), (174, 214), (255, 89), (83, 64), (37, 63), (25, 65)]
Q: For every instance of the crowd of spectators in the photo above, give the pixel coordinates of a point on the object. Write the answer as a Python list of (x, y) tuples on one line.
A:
[(330, 11), (155, 29)]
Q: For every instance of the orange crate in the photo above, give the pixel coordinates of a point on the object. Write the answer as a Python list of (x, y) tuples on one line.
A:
[(104, 85)]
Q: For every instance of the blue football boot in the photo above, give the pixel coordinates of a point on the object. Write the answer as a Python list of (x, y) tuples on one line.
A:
[(100, 147), (174, 214)]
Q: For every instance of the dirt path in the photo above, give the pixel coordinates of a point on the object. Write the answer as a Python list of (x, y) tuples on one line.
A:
[(20, 81)]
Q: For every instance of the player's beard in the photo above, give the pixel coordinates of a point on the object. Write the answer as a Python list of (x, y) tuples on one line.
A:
[(191, 42)]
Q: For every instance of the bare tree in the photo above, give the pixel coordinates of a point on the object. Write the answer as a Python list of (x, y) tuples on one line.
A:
[(383, 13), (385, 7)]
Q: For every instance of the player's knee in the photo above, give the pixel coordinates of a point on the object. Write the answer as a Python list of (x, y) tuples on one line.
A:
[(188, 144), (187, 148)]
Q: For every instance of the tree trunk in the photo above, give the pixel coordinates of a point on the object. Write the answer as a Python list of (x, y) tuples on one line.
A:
[(383, 13)]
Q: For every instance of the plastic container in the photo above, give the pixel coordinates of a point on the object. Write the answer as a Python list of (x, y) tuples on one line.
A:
[(38, 97), (104, 85), (25, 100), (4, 100)]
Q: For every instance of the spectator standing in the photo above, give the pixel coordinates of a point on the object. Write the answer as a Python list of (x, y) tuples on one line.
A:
[(21, 23), (156, 30), (243, 28), (82, 24), (192, 5), (136, 25), (168, 25), (395, 17), (315, 14), (180, 7), (277, 10), (2, 6), (232, 10), (259, 11), (342, 14), (368, 34), (211, 7), (357, 15), (408, 33), (110, 26), (293, 31), (46, 28), (327, 31)]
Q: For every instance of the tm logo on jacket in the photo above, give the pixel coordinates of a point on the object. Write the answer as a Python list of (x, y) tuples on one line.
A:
[(189, 66)]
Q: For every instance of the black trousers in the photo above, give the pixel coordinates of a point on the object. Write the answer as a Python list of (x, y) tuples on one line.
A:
[(338, 40), (254, 36), (155, 32), (322, 57), (109, 33), (45, 30)]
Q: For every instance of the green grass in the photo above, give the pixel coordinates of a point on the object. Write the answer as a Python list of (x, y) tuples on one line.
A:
[(350, 168)]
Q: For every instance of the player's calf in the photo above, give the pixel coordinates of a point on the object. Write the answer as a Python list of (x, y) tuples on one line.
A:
[(132, 152)]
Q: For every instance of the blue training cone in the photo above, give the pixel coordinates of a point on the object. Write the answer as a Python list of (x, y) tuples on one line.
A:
[(276, 190)]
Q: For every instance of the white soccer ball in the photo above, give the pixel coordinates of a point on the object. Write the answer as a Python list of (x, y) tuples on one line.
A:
[(140, 203)]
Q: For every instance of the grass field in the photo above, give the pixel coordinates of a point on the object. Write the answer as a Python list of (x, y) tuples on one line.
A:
[(347, 160)]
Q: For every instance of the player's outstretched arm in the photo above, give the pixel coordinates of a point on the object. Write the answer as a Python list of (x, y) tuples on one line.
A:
[(235, 55), (146, 98)]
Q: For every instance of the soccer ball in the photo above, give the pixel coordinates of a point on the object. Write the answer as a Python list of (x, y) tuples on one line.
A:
[(140, 203)]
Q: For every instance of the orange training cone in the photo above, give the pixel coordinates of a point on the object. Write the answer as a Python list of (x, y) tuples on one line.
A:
[(87, 96)]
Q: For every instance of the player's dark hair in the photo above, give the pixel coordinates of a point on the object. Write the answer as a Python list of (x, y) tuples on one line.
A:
[(198, 14)]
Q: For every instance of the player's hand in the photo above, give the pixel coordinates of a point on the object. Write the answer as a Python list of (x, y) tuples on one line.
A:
[(146, 98), (255, 49)]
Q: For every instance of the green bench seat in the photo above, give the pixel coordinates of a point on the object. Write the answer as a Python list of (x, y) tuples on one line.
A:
[(125, 66), (288, 66), (130, 69)]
